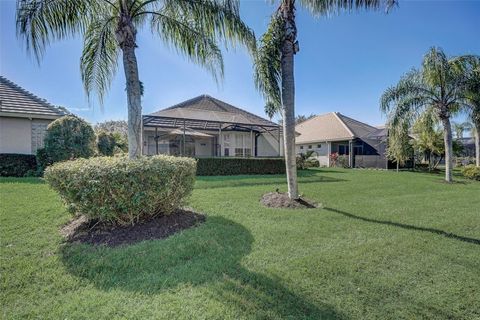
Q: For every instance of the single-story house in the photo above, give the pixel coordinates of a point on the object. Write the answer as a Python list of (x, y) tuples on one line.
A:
[(333, 132), (24, 118), (208, 127)]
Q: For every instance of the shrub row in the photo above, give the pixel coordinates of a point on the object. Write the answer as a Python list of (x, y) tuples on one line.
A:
[(471, 172), (236, 166), (122, 191), (17, 165)]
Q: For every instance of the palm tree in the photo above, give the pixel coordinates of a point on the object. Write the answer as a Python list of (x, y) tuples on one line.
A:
[(109, 27), (460, 128), (438, 87), (470, 65), (274, 67)]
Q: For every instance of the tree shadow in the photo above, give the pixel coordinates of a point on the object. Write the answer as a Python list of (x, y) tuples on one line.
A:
[(407, 226), (26, 180), (252, 181), (209, 254)]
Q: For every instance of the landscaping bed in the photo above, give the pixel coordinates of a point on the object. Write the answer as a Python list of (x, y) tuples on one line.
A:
[(80, 230)]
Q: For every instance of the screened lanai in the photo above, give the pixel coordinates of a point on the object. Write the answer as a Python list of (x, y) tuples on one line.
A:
[(207, 127)]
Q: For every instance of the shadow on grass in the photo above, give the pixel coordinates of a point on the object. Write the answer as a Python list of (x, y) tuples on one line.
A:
[(29, 180), (407, 226), (262, 180), (209, 255)]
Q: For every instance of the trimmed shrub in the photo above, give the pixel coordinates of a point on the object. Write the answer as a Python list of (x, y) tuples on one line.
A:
[(123, 191), (106, 143), (17, 165), (471, 172), (68, 138), (236, 166)]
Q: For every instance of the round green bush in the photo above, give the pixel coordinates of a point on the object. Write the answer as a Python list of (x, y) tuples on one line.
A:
[(123, 191), (471, 172), (69, 137), (106, 143)]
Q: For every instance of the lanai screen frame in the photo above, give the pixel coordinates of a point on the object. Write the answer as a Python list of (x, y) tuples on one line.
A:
[(154, 121)]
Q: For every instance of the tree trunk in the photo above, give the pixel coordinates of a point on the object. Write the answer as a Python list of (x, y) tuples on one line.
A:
[(447, 137), (477, 144), (398, 165), (288, 96), (126, 38)]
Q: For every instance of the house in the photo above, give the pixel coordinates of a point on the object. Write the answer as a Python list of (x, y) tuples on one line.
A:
[(363, 145), (207, 127), (24, 118)]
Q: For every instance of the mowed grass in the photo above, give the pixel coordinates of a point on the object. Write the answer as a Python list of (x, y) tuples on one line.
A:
[(385, 245)]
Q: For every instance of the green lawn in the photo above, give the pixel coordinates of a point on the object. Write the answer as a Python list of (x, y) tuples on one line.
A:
[(385, 245)]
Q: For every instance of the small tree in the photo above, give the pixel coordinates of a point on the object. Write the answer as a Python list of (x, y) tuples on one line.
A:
[(399, 148), (68, 138)]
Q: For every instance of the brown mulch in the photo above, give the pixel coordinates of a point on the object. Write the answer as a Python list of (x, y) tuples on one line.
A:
[(281, 200), (80, 230)]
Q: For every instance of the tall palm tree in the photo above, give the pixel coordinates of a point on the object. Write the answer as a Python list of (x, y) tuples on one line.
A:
[(274, 67), (438, 87), (470, 65), (109, 27)]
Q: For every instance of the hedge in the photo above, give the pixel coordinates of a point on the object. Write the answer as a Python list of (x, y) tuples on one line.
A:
[(123, 191), (17, 165), (471, 172), (236, 166)]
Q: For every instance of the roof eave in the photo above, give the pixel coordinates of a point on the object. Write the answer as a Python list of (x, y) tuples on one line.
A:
[(29, 115)]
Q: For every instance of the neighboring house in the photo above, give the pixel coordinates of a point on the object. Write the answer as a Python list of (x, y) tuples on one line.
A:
[(207, 127), (325, 134), (24, 118)]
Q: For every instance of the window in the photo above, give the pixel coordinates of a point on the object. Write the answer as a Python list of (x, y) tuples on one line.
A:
[(343, 149), (310, 147), (319, 146), (226, 140), (226, 152), (38, 134), (301, 147), (248, 152), (238, 152)]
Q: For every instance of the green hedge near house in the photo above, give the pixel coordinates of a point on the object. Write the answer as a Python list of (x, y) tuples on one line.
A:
[(236, 166), (17, 165)]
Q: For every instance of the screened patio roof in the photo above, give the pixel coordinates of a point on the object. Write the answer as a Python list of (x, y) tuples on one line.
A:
[(207, 113)]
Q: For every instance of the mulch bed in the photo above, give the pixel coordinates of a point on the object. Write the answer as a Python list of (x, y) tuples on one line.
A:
[(281, 200), (80, 230)]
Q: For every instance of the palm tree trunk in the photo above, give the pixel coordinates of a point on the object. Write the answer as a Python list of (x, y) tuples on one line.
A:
[(477, 144), (134, 103), (126, 35), (447, 137), (288, 96)]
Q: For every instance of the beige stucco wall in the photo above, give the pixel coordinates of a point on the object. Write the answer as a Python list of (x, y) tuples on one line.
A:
[(16, 134), (268, 145)]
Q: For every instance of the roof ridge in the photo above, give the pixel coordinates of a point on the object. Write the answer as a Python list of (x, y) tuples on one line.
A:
[(30, 95), (343, 123), (357, 121)]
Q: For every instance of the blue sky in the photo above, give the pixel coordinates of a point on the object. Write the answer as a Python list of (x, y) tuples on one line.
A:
[(344, 64)]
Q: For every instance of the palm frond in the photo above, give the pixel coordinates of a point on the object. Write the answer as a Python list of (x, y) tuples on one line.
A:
[(332, 7), (267, 65), (186, 37), (39, 22), (98, 63)]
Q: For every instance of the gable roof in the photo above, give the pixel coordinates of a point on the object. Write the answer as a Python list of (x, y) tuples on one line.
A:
[(208, 109), (332, 126), (18, 102)]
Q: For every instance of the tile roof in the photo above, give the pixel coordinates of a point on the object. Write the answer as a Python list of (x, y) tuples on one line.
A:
[(207, 108), (332, 126), (14, 100)]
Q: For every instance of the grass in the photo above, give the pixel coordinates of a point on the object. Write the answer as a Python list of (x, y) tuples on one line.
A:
[(385, 245)]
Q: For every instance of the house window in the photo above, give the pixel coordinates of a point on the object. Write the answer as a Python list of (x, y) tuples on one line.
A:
[(238, 152), (301, 147), (248, 152), (319, 146), (226, 152), (343, 149), (310, 147), (226, 140), (38, 134)]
